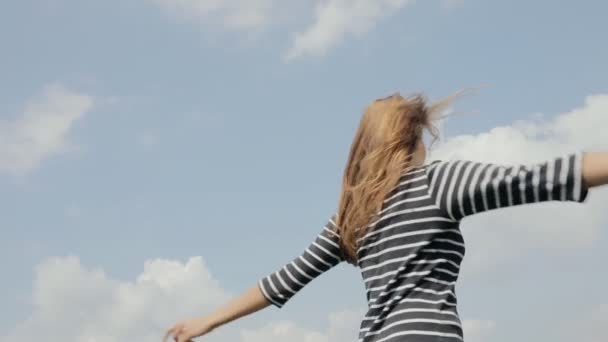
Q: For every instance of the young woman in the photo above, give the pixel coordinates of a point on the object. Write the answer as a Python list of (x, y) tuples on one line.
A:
[(398, 221)]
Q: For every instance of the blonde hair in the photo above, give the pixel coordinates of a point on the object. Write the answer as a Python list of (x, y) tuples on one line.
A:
[(387, 137)]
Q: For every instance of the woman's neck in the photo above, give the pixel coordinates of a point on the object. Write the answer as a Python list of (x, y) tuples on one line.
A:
[(418, 158)]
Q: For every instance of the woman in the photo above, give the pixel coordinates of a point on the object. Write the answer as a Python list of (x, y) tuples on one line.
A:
[(398, 221)]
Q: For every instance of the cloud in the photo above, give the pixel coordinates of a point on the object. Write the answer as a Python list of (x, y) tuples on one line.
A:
[(238, 15), (343, 327), (536, 138), (335, 20), (40, 132), (73, 303), (508, 235)]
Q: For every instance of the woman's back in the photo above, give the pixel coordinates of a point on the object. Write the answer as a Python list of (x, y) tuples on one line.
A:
[(409, 263), (410, 257)]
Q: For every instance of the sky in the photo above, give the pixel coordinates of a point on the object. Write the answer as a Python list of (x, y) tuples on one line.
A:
[(158, 157)]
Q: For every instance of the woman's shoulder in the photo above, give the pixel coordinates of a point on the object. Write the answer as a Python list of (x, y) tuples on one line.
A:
[(433, 164), (416, 171)]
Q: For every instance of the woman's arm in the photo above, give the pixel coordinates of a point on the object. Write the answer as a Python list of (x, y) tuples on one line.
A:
[(247, 303), (276, 289), (595, 168), (463, 188)]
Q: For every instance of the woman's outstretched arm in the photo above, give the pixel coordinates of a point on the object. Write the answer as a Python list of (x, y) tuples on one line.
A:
[(276, 289), (595, 168), (463, 188), (247, 303)]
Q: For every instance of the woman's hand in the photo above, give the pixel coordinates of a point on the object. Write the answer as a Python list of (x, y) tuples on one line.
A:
[(186, 330), (595, 168)]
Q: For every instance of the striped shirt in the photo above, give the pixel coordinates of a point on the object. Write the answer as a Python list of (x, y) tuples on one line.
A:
[(410, 258)]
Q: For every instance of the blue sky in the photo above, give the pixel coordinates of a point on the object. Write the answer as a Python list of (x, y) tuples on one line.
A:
[(136, 131)]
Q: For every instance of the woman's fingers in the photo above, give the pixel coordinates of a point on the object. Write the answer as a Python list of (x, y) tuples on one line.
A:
[(173, 332), (169, 332), (183, 337), (185, 331)]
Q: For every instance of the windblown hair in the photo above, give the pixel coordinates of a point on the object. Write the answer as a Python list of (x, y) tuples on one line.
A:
[(388, 135)]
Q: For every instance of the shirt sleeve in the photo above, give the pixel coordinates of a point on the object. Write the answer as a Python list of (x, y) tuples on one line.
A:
[(320, 256), (464, 188)]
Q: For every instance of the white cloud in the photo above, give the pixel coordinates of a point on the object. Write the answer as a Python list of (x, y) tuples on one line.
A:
[(507, 235), (74, 304), (536, 138), (41, 130), (335, 20), (343, 327)]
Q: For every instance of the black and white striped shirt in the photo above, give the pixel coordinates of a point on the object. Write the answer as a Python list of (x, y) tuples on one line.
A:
[(410, 258)]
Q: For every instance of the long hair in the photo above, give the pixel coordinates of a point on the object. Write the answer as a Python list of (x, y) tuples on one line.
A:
[(388, 134)]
